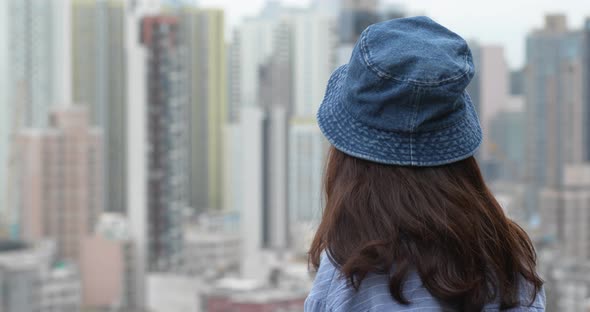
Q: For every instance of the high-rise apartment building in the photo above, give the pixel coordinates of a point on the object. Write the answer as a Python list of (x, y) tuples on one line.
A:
[(61, 169), (5, 124), (167, 101), (307, 150), (34, 47), (557, 144), (506, 142), (137, 147), (314, 59), (276, 101), (328, 7), (565, 213), (252, 46), (587, 84), (565, 216), (251, 191), (489, 92), (315, 43), (355, 16), (202, 32), (281, 63), (99, 82), (568, 286), (32, 52), (261, 97), (554, 103)]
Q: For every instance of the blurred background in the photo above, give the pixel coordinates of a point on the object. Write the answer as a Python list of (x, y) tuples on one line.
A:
[(164, 156)]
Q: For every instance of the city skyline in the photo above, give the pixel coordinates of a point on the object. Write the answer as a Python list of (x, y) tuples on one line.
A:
[(518, 18), (178, 163)]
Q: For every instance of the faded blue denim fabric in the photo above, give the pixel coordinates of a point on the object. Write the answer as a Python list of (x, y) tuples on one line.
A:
[(401, 99)]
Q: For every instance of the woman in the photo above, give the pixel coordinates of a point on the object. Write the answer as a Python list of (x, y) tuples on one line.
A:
[(409, 224)]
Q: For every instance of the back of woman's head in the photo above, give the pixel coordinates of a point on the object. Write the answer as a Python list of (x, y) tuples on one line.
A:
[(442, 222)]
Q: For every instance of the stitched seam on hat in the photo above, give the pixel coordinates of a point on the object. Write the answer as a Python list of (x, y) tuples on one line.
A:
[(366, 57), (403, 163), (386, 131), (381, 73), (442, 81)]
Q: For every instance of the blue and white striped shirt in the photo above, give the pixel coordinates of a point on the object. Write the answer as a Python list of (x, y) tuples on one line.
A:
[(331, 293)]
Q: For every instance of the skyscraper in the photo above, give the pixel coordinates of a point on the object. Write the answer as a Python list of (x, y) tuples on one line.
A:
[(137, 147), (307, 150), (506, 142), (202, 33), (252, 46), (565, 218), (252, 192), (167, 101), (355, 16), (99, 83), (288, 56), (61, 171), (554, 104), (587, 84), (281, 62), (565, 213), (32, 47), (250, 61), (314, 58), (276, 101), (315, 42), (5, 124), (556, 171), (328, 7), (489, 93)]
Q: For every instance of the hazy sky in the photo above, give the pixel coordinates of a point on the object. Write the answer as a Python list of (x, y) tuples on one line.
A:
[(503, 22)]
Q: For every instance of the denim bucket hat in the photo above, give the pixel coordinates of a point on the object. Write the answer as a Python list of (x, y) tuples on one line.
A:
[(401, 99)]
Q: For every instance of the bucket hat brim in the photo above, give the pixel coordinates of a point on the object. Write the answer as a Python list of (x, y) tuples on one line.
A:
[(430, 148)]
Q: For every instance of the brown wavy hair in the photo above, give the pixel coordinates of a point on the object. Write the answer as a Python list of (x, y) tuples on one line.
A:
[(442, 222)]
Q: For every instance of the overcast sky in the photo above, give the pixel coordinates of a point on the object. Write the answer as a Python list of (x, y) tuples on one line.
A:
[(504, 22)]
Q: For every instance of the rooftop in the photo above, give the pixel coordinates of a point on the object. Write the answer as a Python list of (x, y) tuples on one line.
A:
[(7, 246)]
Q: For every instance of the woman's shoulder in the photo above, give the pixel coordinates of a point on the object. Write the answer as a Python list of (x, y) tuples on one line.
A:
[(332, 292), (325, 277), (528, 300)]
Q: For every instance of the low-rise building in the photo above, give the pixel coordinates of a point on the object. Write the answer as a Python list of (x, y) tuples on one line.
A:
[(61, 289), (20, 277), (31, 282), (111, 281), (210, 253), (250, 295)]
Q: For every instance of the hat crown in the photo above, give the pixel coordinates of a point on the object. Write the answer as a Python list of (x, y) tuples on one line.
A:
[(408, 75), (416, 50), (401, 98)]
